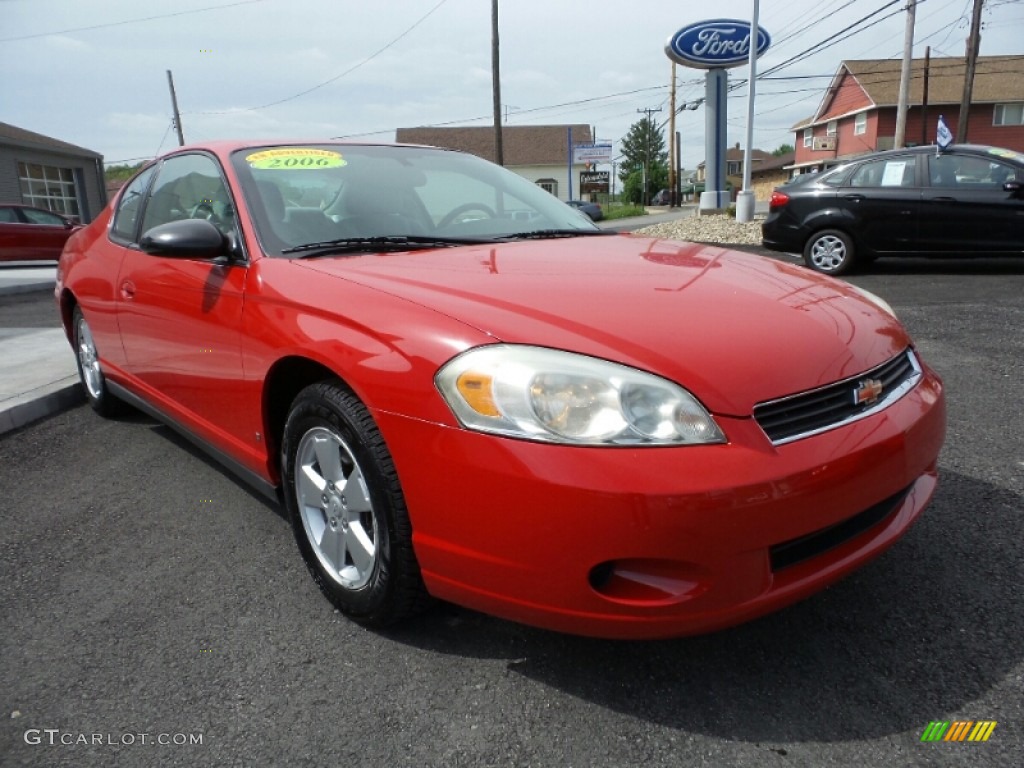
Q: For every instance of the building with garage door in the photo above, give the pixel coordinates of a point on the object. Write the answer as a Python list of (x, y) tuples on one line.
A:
[(52, 174)]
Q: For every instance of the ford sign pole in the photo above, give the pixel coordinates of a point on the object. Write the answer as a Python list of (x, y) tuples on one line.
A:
[(716, 45), (745, 199)]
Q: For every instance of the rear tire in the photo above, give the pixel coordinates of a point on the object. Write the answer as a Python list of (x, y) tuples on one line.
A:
[(830, 252), (90, 374), (346, 507)]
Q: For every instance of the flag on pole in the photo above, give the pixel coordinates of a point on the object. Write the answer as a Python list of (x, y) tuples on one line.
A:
[(942, 136)]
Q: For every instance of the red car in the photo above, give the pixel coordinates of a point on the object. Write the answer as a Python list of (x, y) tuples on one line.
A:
[(461, 388), (32, 234)]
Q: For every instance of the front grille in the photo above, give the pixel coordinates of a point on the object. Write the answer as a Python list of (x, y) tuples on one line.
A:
[(813, 544), (808, 413)]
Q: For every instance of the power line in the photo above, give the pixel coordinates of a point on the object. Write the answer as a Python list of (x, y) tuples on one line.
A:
[(348, 71), (835, 39), (129, 21), (516, 114)]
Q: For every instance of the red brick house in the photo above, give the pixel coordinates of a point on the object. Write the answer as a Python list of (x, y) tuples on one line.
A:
[(857, 113)]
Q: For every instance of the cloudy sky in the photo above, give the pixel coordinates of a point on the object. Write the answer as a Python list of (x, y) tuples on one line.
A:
[(94, 73)]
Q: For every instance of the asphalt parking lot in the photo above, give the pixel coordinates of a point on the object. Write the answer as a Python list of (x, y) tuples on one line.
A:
[(148, 597)]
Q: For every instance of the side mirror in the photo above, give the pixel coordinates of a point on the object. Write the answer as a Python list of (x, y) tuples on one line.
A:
[(1013, 186), (186, 239)]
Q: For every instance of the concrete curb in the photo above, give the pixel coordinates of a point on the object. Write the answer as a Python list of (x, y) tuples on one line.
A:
[(40, 406), (8, 290)]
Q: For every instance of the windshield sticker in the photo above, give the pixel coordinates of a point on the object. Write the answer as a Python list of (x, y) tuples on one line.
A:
[(295, 158), (1008, 153)]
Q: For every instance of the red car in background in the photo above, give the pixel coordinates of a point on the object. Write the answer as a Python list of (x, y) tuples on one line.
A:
[(461, 388), (32, 234)]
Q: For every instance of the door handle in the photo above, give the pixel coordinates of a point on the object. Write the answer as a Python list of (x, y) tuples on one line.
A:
[(942, 199), (127, 290), (855, 198)]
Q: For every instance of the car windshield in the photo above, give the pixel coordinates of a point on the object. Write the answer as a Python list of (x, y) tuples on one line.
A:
[(325, 198)]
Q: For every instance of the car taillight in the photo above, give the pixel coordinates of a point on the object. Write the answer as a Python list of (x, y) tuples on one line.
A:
[(778, 200)]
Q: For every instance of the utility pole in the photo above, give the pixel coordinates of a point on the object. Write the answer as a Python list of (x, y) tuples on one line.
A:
[(973, 43), (174, 104), (648, 129), (908, 55), (924, 96), (499, 150), (671, 141)]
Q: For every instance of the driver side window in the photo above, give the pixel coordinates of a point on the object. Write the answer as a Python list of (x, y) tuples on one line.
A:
[(190, 187)]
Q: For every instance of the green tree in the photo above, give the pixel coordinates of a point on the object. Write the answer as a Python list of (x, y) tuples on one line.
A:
[(643, 148), (121, 172), (632, 187), (782, 149)]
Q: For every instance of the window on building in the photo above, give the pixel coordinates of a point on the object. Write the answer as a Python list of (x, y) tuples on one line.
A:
[(1009, 114), (808, 137), (548, 185), (860, 124), (49, 187), (735, 168), (832, 128)]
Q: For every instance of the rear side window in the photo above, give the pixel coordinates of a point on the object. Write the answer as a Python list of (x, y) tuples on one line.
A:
[(126, 218), (890, 172), (42, 217)]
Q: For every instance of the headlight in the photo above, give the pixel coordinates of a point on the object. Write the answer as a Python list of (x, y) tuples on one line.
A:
[(562, 397)]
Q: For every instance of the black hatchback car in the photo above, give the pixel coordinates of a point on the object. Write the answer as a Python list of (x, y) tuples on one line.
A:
[(967, 200)]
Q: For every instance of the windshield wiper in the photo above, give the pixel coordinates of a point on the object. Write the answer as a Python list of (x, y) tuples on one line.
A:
[(544, 234), (381, 243)]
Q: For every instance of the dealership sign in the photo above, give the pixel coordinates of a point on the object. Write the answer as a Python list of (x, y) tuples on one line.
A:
[(715, 44), (592, 153), (594, 181)]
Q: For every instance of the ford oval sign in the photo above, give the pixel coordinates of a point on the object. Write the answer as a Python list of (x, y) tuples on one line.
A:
[(715, 44)]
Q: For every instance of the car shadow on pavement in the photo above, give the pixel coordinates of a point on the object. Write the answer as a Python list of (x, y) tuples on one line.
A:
[(184, 444), (922, 632)]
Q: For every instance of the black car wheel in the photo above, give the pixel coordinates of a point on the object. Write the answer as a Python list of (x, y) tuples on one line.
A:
[(347, 509), (94, 384), (830, 251)]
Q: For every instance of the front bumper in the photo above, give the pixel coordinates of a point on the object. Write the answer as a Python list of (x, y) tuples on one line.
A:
[(659, 542)]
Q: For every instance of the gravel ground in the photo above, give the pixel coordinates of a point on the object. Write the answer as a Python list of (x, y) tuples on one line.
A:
[(707, 229)]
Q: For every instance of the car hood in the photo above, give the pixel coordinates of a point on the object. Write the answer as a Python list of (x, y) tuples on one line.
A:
[(733, 328)]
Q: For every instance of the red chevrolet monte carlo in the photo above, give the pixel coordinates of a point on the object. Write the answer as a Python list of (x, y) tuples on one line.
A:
[(461, 388)]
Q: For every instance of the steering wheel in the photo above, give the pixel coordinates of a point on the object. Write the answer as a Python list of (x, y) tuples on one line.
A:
[(465, 208), (202, 211)]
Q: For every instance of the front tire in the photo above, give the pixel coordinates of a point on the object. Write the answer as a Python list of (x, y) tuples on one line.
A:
[(90, 374), (831, 252), (346, 507)]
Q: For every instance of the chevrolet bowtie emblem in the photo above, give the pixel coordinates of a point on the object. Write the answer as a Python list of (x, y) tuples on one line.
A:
[(867, 392)]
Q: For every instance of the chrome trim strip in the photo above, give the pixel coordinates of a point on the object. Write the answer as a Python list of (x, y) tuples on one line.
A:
[(889, 399)]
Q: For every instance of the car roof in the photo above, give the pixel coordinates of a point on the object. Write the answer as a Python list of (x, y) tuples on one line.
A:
[(953, 149), (225, 147)]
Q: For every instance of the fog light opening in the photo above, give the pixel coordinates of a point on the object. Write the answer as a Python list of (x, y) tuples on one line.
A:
[(648, 581)]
